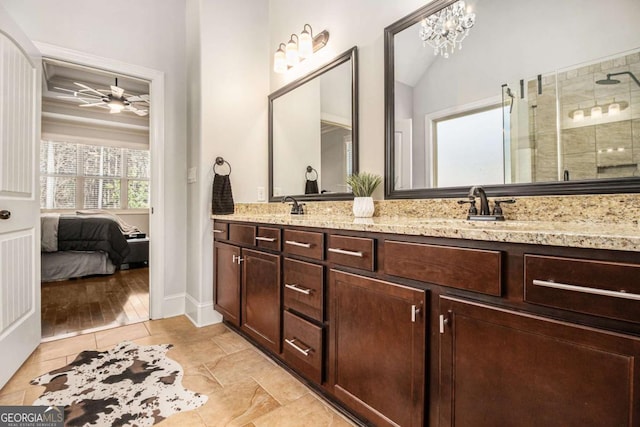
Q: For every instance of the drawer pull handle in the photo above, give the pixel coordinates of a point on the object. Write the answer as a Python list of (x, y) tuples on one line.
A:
[(294, 243), (293, 344), (217, 231), (345, 252), (594, 291), (298, 289), (237, 259), (266, 239)]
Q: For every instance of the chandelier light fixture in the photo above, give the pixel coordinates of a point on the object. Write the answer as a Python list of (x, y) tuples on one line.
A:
[(446, 29), (298, 48)]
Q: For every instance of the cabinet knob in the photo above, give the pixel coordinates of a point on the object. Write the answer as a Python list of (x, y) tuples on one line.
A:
[(415, 310), (5, 214)]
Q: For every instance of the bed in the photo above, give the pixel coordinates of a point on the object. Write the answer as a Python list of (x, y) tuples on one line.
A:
[(81, 245)]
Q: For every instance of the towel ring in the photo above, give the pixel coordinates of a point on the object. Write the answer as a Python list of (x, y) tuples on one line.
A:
[(220, 162), (309, 170)]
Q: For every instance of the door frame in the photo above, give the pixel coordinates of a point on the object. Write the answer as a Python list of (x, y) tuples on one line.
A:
[(156, 145)]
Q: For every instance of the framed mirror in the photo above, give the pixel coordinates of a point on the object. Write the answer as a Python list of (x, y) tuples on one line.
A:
[(521, 97), (313, 133)]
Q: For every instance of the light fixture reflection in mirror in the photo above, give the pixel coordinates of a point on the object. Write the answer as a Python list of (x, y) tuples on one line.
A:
[(547, 124)]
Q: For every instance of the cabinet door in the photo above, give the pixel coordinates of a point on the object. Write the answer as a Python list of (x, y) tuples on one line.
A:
[(502, 368), (227, 281), (377, 348), (261, 309)]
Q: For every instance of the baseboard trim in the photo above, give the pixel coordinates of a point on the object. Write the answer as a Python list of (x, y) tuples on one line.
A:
[(173, 305), (201, 314)]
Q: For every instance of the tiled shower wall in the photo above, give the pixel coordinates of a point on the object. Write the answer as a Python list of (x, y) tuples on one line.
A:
[(606, 147)]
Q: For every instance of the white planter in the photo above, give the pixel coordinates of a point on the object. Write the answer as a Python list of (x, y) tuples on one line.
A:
[(363, 207)]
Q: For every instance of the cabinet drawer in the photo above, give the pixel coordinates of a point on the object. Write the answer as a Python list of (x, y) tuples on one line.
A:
[(606, 289), (302, 346), (304, 288), (268, 238), (220, 230), (351, 251), (470, 269), (305, 243), (242, 234)]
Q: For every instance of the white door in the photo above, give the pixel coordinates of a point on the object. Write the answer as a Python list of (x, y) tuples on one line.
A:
[(19, 198)]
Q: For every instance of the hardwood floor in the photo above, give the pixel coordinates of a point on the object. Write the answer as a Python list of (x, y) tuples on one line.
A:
[(76, 306)]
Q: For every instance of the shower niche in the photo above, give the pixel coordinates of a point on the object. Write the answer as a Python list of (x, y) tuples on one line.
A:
[(576, 123)]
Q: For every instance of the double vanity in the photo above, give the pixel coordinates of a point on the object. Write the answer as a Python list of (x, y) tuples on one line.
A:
[(408, 321)]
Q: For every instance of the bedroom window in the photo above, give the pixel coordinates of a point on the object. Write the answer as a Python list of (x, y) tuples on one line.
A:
[(79, 176)]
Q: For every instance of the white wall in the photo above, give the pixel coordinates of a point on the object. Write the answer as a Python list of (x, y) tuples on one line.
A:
[(229, 80), (145, 33)]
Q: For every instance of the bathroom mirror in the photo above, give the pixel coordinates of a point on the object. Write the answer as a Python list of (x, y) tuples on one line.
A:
[(512, 109), (313, 133)]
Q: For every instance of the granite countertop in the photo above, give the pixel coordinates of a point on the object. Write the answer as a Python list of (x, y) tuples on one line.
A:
[(624, 237)]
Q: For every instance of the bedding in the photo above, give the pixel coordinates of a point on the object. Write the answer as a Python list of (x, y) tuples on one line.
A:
[(80, 233), (68, 264)]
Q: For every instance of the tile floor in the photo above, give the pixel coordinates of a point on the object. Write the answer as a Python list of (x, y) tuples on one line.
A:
[(245, 388)]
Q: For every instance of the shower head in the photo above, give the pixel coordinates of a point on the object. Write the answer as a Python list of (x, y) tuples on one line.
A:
[(610, 81)]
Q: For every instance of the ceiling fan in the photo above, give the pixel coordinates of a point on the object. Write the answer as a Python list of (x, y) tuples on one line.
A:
[(115, 100)]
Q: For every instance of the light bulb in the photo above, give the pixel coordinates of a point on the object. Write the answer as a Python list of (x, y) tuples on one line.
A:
[(280, 60), (305, 43), (614, 109), (578, 116), (596, 112), (292, 51)]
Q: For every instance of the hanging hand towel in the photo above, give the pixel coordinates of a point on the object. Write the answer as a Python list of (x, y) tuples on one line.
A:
[(311, 187), (222, 198)]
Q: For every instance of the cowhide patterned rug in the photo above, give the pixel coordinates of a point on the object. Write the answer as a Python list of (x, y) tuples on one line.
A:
[(127, 385)]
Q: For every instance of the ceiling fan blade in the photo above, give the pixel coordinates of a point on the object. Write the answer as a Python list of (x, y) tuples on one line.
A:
[(92, 90), (77, 93), (117, 91), (92, 104), (135, 98), (137, 111)]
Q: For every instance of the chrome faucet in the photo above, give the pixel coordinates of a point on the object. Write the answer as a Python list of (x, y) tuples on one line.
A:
[(477, 191), (296, 208)]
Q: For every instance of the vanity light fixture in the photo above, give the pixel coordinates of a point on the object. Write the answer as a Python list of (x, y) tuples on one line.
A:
[(596, 111), (292, 51), (614, 109), (280, 59), (445, 30), (298, 48)]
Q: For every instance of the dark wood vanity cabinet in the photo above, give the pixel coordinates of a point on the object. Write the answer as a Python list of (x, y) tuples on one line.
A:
[(377, 348), (504, 368), (261, 317), (226, 290), (412, 330)]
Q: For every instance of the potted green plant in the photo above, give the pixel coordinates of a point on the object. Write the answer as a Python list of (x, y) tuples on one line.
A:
[(363, 185)]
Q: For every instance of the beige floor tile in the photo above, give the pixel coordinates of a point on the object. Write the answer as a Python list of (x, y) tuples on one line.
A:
[(31, 369), (238, 366), (13, 398), (280, 384), (171, 324), (32, 394), (200, 380), (183, 419), (237, 405), (155, 340), (307, 411), (232, 342), (109, 338), (65, 347), (195, 353)]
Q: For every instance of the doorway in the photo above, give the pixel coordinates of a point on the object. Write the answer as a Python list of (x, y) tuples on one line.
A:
[(148, 269)]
